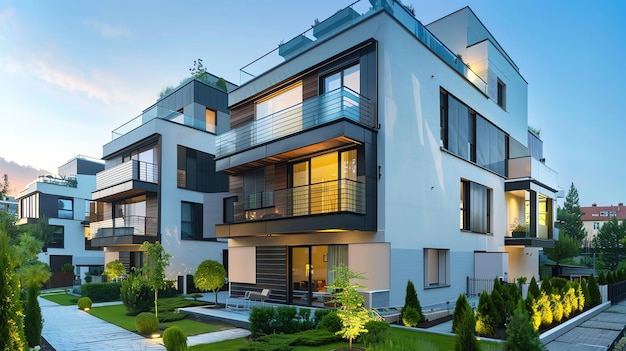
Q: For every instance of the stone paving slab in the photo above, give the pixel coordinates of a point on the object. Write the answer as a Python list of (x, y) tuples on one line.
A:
[(611, 317), (564, 346), (589, 336), (602, 325)]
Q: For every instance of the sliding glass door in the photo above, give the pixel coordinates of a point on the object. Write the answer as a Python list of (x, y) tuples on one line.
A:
[(311, 272)]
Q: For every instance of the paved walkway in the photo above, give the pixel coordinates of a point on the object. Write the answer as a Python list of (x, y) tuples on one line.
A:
[(67, 328)]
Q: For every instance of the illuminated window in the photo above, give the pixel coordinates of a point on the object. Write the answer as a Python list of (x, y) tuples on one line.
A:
[(211, 120), (279, 101), (436, 267)]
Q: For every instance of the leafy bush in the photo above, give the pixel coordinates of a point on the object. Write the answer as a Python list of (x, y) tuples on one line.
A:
[(544, 307), (136, 295), (285, 320), (498, 303), (101, 292), (559, 285), (168, 290), (67, 268), (546, 286), (411, 316), (286, 341), (318, 314), (377, 333), (175, 339), (586, 296), (261, 320), (485, 316), (146, 323), (84, 302), (330, 322), (557, 307), (115, 269), (304, 319), (167, 316), (533, 288)]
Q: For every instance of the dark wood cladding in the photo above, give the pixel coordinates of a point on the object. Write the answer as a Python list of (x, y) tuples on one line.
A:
[(309, 86), (242, 114), (271, 273), (281, 180)]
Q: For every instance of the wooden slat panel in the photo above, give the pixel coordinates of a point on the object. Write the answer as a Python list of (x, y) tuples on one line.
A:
[(242, 115), (280, 176), (309, 86)]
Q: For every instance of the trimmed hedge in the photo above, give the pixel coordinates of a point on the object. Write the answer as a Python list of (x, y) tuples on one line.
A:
[(84, 302), (146, 323), (101, 292)]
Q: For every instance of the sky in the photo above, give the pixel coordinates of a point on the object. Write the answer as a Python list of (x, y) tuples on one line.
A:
[(72, 71)]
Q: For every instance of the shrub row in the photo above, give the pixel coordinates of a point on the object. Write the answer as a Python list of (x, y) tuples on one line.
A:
[(101, 292)]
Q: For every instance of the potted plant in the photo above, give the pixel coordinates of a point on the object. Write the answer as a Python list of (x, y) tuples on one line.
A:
[(519, 231)]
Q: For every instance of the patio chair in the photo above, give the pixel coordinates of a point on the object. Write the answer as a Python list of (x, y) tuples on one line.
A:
[(258, 296), (237, 303)]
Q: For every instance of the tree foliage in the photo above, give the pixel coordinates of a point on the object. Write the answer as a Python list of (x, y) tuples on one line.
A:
[(564, 248), (610, 243), (33, 321), (4, 187), (154, 268), (594, 292), (11, 325), (352, 313), (115, 269), (411, 300), (210, 276), (465, 339), (533, 288), (570, 216), (461, 306), (520, 334), (486, 316)]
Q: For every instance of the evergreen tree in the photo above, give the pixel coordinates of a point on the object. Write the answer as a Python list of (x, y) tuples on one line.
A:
[(546, 286), (533, 288), (609, 278), (11, 325), (486, 319), (602, 279), (520, 334), (594, 292), (498, 303), (33, 322), (461, 306), (564, 249), (465, 339), (570, 216), (411, 300), (609, 243), (587, 297)]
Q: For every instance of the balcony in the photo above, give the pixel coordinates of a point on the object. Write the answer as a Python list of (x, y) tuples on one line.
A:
[(351, 15), (338, 104), (339, 201), (132, 176), (123, 231), (529, 168)]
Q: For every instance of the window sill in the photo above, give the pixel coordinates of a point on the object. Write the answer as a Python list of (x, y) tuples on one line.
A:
[(429, 287), (467, 231)]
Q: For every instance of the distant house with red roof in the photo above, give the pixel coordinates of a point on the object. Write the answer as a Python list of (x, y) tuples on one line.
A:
[(595, 216)]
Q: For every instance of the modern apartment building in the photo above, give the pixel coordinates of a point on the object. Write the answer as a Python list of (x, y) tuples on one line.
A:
[(594, 217), (160, 184), (398, 149), (64, 201), (8, 204)]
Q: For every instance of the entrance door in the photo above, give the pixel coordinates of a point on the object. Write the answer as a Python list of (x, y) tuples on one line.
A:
[(309, 266)]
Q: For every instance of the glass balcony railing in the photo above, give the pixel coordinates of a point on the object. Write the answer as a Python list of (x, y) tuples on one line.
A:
[(128, 225), (334, 105), (165, 114), (364, 8), (131, 170), (344, 195), (530, 167)]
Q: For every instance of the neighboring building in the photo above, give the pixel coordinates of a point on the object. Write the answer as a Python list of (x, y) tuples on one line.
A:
[(594, 217), (371, 143), (160, 184), (64, 201), (8, 204)]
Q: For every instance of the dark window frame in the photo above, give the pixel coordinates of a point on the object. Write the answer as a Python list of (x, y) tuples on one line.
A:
[(476, 202), (192, 229)]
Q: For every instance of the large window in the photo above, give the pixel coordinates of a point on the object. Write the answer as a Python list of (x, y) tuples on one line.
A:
[(66, 209), (196, 171), (470, 136), (191, 221), (501, 94), (279, 101), (349, 78), (436, 268), (475, 206), (58, 237), (210, 120), (29, 206)]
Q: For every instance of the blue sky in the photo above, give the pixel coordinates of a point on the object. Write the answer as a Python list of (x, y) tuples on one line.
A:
[(72, 71)]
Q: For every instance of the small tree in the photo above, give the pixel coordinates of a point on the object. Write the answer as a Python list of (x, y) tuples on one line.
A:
[(533, 288), (459, 309), (465, 339), (520, 334), (351, 311), (210, 276), (585, 292), (601, 279), (115, 269), (154, 269), (411, 300), (486, 321), (32, 277), (594, 291)]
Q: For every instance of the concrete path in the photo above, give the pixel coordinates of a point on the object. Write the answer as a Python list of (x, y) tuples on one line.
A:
[(67, 328)]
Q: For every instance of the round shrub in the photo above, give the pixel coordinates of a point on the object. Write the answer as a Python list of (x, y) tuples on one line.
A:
[(377, 333), (330, 322), (411, 316), (84, 302), (174, 339), (146, 323)]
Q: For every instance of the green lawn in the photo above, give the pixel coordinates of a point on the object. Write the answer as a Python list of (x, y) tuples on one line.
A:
[(116, 314), (62, 298)]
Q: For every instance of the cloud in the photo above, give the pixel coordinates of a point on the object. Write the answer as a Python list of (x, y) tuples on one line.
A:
[(6, 17), (107, 31)]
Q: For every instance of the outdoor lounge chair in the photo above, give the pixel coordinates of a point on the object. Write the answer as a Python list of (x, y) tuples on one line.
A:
[(258, 296)]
